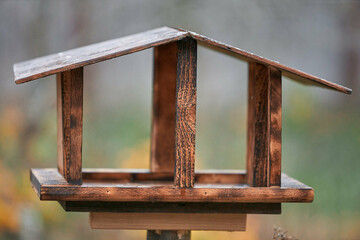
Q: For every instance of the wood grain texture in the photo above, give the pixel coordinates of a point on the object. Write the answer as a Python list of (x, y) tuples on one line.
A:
[(289, 72), (50, 185), (250, 125), (172, 207), (169, 221), (163, 123), (163, 112), (275, 111), (79, 57), (264, 126), (168, 235), (260, 155), (144, 175), (185, 113), (69, 124)]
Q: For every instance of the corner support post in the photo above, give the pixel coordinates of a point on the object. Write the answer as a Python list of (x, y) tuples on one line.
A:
[(69, 85), (264, 126)]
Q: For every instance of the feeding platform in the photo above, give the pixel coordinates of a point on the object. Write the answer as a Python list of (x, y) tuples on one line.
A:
[(171, 185), (146, 186)]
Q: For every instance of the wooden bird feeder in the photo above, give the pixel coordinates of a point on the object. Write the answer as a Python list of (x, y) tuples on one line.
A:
[(171, 185)]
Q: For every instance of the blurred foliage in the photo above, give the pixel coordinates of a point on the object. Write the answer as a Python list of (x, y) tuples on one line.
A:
[(321, 130), (318, 149)]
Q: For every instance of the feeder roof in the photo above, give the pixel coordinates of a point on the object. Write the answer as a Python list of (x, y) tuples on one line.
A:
[(83, 56)]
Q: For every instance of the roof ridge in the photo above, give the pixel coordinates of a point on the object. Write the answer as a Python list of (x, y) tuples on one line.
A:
[(97, 52)]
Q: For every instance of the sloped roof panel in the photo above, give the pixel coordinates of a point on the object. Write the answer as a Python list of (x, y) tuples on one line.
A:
[(292, 73), (79, 57)]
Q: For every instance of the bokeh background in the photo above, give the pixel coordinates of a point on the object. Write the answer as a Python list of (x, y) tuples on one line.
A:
[(321, 130)]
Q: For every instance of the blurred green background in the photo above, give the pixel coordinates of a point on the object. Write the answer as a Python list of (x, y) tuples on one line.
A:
[(321, 130)]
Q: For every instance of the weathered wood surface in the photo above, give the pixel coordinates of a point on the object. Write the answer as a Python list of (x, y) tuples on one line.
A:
[(289, 72), (169, 221), (264, 126), (260, 158), (50, 185), (163, 125), (79, 57), (168, 235), (185, 118), (163, 112), (48, 65), (69, 124), (275, 112), (142, 175), (250, 143), (172, 207)]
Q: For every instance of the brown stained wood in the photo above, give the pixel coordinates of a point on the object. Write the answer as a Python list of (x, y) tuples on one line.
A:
[(275, 97), (59, 123), (168, 221), (143, 175), (264, 126), (69, 126), (220, 176), (163, 116), (79, 57), (168, 235), (185, 113), (289, 72), (250, 125), (172, 207), (50, 185), (260, 155)]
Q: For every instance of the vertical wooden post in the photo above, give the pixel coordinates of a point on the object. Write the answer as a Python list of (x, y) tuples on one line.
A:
[(69, 86), (163, 112), (168, 235), (163, 123), (275, 127), (264, 126), (250, 126), (185, 113)]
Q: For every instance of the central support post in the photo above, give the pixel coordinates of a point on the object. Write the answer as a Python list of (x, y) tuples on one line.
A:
[(185, 118), (163, 109), (173, 118)]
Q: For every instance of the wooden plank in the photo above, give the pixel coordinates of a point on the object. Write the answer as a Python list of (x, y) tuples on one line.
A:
[(275, 109), (138, 175), (264, 126), (168, 235), (69, 124), (163, 123), (260, 155), (59, 123), (79, 57), (289, 72), (50, 185), (163, 127), (250, 124), (163, 113), (172, 207), (169, 221), (185, 113)]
